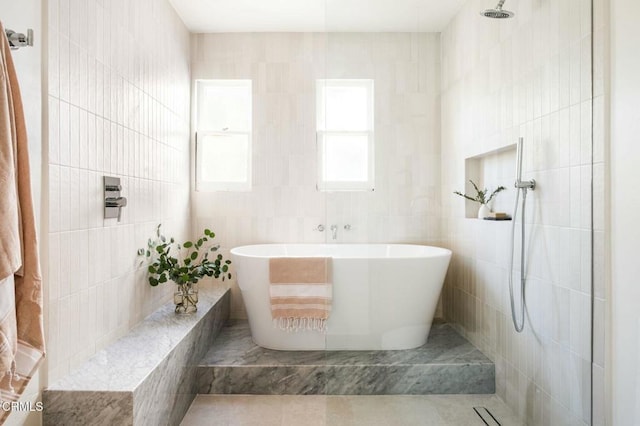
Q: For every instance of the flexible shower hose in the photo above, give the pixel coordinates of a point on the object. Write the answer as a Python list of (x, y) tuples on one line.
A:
[(519, 325)]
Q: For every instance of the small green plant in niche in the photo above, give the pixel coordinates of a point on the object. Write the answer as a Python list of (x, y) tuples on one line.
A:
[(481, 195), (185, 264)]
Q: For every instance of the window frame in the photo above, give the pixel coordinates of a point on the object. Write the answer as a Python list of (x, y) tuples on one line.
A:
[(211, 186), (322, 132), (203, 185)]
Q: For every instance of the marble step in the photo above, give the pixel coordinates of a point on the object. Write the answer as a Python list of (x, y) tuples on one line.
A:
[(446, 364)]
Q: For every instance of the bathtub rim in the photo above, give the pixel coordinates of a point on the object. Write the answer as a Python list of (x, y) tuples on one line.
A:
[(424, 251)]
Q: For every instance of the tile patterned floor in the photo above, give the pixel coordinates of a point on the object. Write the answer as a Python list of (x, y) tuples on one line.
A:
[(320, 410)]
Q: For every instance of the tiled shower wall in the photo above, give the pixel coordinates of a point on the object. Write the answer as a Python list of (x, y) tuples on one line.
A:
[(118, 105), (284, 205), (528, 76)]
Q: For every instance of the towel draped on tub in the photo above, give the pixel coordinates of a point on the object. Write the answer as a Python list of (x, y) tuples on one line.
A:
[(21, 330), (301, 292)]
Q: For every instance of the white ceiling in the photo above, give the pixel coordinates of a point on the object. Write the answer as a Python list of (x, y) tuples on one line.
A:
[(208, 16)]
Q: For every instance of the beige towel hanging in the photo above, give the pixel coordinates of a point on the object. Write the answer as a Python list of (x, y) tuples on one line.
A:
[(301, 292), (21, 330)]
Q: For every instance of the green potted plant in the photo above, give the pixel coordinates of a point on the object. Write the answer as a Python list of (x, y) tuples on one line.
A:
[(185, 264), (481, 197)]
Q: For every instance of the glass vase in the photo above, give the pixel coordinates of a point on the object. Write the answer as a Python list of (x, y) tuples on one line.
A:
[(186, 298)]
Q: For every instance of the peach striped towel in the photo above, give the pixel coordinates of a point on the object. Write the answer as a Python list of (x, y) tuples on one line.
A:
[(300, 292)]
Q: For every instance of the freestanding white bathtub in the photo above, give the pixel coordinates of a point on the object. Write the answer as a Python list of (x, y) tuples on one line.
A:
[(384, 295)]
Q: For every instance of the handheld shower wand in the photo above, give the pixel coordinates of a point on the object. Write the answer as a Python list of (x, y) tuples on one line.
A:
[(527, 184), (520, 185), (519, 160)]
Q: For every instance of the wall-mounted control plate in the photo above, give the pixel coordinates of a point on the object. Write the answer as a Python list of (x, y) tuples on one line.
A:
[(113, 201)]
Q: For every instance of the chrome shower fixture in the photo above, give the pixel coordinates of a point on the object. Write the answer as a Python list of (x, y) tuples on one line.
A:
[(527, 184), (498, 12), (523, 186), (18, 40)]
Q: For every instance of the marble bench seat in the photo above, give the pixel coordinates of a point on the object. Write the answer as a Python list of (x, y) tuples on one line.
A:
[(147, 376)]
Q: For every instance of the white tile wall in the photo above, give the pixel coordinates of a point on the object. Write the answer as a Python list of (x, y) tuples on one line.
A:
[(601, 367), (529, 76), (284, 205), (121, 108), (119, 90)]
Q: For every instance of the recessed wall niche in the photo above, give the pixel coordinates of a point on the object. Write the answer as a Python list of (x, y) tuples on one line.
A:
[(490, 170)]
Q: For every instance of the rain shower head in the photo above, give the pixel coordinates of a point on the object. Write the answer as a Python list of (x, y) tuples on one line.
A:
[(498, 12)]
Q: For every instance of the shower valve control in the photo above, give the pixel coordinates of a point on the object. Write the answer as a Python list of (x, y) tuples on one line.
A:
[(113, 201), (111, 188)]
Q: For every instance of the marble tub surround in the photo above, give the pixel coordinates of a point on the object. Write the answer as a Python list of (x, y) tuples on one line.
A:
[(141, 378), (446, 364)]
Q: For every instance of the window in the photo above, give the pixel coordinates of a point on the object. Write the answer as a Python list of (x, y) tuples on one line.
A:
[(223, 135), (345, 135)]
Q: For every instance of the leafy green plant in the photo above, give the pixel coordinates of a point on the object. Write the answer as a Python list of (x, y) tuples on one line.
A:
[(481, 196), (183, 263)]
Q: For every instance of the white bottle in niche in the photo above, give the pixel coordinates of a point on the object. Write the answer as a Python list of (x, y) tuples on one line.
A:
[(483, 211)]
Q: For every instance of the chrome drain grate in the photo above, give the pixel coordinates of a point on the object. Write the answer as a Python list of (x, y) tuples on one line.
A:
[(486, 416)]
